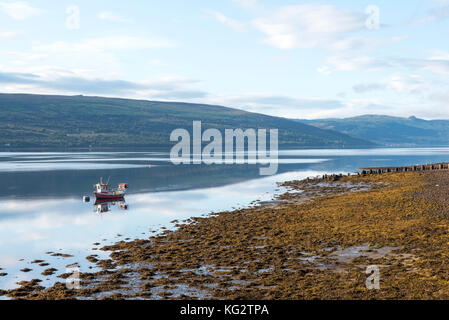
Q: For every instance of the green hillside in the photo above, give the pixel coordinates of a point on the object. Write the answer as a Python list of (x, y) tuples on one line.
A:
[(390, 131), (80, 121)]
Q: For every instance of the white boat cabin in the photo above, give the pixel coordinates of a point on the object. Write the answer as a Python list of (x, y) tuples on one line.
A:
[(101, 187)]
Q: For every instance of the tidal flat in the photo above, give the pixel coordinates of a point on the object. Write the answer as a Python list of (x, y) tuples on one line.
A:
[(313, 242)]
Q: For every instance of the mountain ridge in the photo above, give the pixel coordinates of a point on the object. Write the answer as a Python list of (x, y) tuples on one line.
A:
[(389, 130), (48, 121)]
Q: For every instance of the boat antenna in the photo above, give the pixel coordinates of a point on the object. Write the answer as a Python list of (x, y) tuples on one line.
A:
[(108, 180)]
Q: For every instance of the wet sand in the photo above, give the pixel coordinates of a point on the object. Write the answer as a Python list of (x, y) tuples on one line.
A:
[(313, 242)]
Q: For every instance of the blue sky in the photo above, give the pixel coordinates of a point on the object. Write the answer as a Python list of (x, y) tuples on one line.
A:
[(295, 59)]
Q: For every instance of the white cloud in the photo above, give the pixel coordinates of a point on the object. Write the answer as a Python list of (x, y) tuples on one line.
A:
[(436, 64), (308, 26), (324, 70), (439, 12), (273, 104), (19, 10), (113, 17), (399, 83), (404, 105), (348, 62), (407, 83), (368, 87), (54, 80), (365, 43), (440, 55), (232, 23), (97, 53), (25, 58), (91, 65), (7, 34), (246, 3), (441, 98), (106, 43), (363, 106)]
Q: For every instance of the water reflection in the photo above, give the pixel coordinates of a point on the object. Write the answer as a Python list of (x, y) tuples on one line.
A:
[(30, 228), (103, 206)]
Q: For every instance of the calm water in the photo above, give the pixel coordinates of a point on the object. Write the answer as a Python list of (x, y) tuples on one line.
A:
[(41, 207)]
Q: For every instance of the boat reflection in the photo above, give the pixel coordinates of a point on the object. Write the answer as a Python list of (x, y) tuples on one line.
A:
[(103, 206)]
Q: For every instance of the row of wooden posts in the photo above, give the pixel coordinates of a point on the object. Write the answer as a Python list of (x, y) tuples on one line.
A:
[(422, 167), (380, 170)]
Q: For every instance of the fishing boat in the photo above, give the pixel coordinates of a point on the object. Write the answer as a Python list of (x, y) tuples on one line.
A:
[(103, 192)]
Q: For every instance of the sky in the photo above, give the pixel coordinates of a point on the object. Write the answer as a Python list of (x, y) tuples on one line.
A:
[(288, 58)]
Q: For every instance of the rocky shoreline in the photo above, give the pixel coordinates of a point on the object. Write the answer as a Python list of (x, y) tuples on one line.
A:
[(313, 242)]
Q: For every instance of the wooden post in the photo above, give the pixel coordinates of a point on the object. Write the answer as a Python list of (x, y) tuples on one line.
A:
[(414, 168)]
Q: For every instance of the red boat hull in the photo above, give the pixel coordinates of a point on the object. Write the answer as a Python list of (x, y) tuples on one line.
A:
[(108, 196)]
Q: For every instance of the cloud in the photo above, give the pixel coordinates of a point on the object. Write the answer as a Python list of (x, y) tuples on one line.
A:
[(324, 70), (414, 98), (100, 86), (348, 62), (19, 10), (68, 82), (246, 3), (441, 98), (439, 12), (437, 65), (25, 58), (19, 78), (234, 24), (181, 89), (113, 17), (398, 83), (275, 105), (8, 34), (408, 83), (368, 87), (364, 43), (105, 44), (308, 26), (180, 94), (99, 53)]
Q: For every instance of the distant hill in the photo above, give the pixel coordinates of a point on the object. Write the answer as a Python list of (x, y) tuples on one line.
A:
[(390, 131), (80, 121)]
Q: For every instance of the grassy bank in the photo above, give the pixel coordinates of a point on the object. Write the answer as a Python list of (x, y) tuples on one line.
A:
[(315, 244)]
